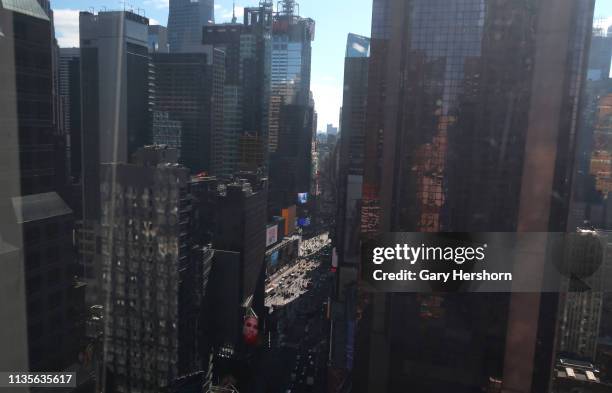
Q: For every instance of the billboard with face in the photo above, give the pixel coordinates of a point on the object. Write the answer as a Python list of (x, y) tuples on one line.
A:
[(250, 330)]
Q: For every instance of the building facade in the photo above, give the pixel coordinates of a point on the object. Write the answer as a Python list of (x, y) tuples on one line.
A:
[(241, 145), (158, 39), (349, 187), (188, 88), (185, 21), (144, 245), (115, 94), (446, 83), (38, 286)]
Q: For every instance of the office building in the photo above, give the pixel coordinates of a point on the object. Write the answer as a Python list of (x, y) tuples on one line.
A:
[(291, 114), (36, 250), (291, 163), (185, 21), (291, 53), (331, 130), (574, 375), (167, 132), (145, 255), (188, 87), (587, 253), (54, 302), (158, 39), (242, 144), (239, 240), (349, 184), (462, 81), (70, 98), (593, 170), (115, 94), (69, 88)]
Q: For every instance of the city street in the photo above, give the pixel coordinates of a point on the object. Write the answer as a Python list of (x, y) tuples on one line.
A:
[(298, 298)]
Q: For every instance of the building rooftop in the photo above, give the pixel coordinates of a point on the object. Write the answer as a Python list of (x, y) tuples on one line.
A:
[(576, 370), (26, 7), (39, 207)]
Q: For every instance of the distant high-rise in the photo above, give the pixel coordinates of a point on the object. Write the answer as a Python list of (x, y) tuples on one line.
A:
[(580, 312), (470, 126), (349, 184), (241, 144), (593, 177), (115, 94), (158, 39), (185, 21), (188, 88), (70, 99), (291, 53), (291, 113)]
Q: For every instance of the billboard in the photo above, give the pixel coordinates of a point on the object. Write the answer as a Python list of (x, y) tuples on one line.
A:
[(289, 216), (271, 235), (250, 329), (303, 222), (274, 259), (303, 198)]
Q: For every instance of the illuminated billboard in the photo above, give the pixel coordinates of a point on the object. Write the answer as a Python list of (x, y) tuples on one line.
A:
[(271, 235), (303, 198), (274, 259), (289, 216)]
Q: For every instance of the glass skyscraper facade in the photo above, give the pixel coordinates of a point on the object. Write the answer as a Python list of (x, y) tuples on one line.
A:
[(185, 21), (290, 77), (471, 120)]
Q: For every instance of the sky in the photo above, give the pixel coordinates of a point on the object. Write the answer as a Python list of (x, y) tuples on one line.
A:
[(334, 20)]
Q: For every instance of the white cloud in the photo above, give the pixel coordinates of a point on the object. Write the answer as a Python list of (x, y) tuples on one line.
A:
[(153, 21), (328, 100), (159, 4), (66, 27)]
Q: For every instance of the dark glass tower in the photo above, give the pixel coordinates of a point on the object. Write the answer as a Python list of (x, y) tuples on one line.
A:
[(39, 302), (115, 94), (185, 21), (349, 185), (187, 87), (471, 126)]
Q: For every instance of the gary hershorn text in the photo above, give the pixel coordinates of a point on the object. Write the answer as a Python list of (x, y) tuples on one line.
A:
[(426, 275)]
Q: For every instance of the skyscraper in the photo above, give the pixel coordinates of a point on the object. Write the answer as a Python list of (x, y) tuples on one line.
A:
[(115, 94), (185, 21), (291, 53), (70, 98), (291, 113), (145, 243), (187, 88), (349, 185), (591, 202), (36, 225), (241, 145), (460, 111), (158, 39)]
